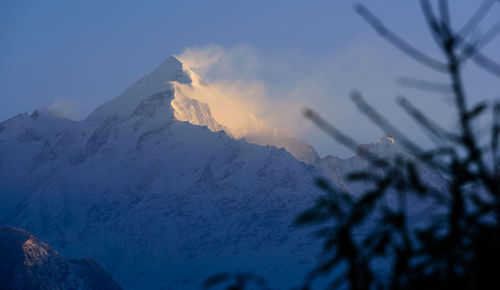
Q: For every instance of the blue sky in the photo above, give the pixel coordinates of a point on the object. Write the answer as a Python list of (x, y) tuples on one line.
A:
[(79, 54)]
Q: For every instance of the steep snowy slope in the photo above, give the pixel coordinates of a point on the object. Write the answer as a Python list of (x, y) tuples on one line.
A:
[(151, 188), (28, 263)]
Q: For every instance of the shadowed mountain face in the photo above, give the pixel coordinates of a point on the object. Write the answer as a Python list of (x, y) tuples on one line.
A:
[(28, 263), (159, 192)]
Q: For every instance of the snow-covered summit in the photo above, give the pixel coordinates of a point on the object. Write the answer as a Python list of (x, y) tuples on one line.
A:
[(386, 139), (154, 96), (192, 100), (159, 80), (386, 146)]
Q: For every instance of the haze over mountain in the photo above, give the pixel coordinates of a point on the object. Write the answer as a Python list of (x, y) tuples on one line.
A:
[(163, 190)]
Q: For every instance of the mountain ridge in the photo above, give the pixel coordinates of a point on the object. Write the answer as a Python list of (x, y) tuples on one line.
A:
[(142, 192), (161, 200)]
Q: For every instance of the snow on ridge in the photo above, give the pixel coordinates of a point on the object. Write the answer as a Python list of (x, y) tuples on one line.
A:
[(157, 81), (198, 103), (144, 91)]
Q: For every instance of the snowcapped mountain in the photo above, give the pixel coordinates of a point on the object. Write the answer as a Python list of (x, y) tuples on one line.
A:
[(28, 263), (160, 192), (152, 187), (190, 104)]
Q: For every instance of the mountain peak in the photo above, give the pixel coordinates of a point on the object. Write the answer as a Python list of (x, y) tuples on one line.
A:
[(172, 59), (157, 81), (171, 69), (385, 146), (385, 139)]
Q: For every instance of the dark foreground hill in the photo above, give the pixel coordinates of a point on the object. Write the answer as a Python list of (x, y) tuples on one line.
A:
[(28, 263)]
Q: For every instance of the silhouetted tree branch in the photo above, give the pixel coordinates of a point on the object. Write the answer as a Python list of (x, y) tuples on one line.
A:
[(457, 249), (449, 239)]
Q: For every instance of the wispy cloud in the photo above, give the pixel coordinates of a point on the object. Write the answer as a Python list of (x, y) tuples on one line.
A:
[(277, 87), (64, 108), (236, 73)]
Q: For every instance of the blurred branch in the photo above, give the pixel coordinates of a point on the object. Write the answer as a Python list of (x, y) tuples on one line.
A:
[(437, 133), (382, 123), (397, 41), (486, 38), (495, 137), (445, 17), (487, 63), (434, 25), (425, 122), (454, 250), (331, 130), (476, 18), (473, 51), (435, 87)]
